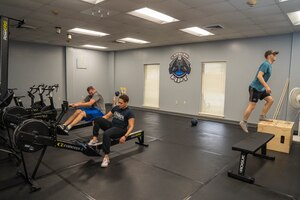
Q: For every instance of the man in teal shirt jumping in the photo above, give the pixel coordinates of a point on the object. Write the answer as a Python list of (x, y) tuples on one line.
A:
[(260, 90)]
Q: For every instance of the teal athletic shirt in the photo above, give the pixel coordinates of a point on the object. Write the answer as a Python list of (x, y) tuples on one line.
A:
[(266, 68)]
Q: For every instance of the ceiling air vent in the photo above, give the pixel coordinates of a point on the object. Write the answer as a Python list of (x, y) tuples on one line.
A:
[(215, 26)]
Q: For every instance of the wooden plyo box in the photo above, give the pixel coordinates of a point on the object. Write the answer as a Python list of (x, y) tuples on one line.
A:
[(283, 131)]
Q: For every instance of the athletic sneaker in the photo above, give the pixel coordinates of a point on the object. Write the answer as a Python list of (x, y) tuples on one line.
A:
[(244, 126), (61, 126), (63, 130), (105, 162), (93, 142), (66, 130), (263, 118)]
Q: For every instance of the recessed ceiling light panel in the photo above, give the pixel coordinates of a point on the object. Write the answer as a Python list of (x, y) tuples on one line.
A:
[(87, 32), (93, 46), (153, 15), (93, 1), (132, 40), (197, 31), (294, 17)]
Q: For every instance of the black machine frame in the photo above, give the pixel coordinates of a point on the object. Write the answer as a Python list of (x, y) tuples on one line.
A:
[(247, 146), (38, 135), (4, 45), (6, 95), (32, 140)]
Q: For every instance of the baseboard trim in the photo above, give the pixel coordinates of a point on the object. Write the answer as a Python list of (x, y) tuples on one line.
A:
[(207, 118)]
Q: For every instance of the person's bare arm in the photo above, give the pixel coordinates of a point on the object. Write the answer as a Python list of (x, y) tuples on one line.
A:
[(263, 82), (131, 122), (108, 115), (83, 104)]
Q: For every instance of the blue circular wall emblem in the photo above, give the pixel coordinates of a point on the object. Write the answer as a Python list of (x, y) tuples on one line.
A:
[(179, 67)]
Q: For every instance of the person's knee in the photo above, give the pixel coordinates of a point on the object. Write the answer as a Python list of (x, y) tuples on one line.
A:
[(82, 114), (78, 111), (106, 135), (97, 120), (270, 100)]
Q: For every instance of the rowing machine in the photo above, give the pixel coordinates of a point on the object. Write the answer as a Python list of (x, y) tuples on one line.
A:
[(33, 135)]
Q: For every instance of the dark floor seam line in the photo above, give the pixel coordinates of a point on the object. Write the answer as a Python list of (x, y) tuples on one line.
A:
[(77, 188), (214, 153), (68, 167), (275, 191), (12, 186), (209, 180), (56, 172), (163, 169), (60, 169)]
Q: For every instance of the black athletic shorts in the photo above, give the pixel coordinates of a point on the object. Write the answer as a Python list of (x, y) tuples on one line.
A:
[(254, 95)]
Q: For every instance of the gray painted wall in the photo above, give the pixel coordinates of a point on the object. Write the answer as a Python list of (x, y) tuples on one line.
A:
[(108, 71), (243, 56), (294, 73), (35, 64), (94, 72), (111, 76)]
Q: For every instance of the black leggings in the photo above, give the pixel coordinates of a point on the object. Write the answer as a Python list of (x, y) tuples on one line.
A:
[(109, 133)]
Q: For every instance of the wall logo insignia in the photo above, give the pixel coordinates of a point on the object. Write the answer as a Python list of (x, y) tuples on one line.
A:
[(179, 67)]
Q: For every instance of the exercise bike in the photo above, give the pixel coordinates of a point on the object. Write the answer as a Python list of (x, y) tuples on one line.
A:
[(16, 114), (17, 99), (38, 105)]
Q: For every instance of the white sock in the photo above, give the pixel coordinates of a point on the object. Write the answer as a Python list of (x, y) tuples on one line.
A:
[(69, 127)]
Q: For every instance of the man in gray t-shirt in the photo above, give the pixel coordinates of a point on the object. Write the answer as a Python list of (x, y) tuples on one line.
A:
[(92, 106), (99, 101)]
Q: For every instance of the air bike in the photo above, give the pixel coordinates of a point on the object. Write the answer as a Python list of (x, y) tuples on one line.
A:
[(33, 135)]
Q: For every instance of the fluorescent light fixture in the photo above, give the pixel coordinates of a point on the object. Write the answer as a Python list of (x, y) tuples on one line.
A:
[(282, 1), (197, 31), (87, 32), (93, 46), (152, 15), (295, 17), (132, 40), (93, 1)]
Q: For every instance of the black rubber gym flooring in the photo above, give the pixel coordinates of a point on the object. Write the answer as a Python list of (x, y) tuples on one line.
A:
[(182, 162)]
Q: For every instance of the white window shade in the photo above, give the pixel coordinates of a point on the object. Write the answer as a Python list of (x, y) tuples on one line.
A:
[(151, 89), (213, 88)]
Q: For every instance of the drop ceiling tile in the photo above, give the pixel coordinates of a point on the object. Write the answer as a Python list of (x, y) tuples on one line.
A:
[(279, 30), (197, 3), (290, 6), (30, 5), (70, 5), (262, 11), (231, 16), (269, 18), (242, 4), (215, 8), (13, 12), (278, 24)]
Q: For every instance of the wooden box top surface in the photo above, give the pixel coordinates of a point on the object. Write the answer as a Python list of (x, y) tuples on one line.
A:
[(278, 123)]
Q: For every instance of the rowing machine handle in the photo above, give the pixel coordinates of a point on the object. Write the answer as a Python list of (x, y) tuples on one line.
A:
[(64, 109)]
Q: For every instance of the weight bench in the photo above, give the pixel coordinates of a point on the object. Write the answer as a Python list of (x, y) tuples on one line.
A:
[(250, 145)]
